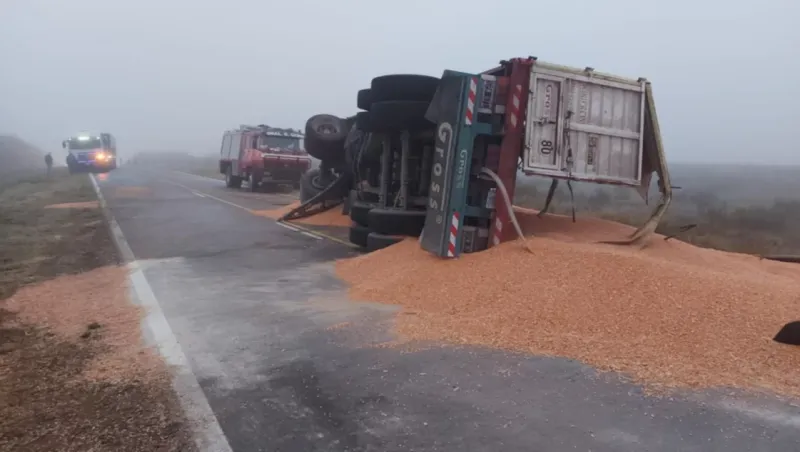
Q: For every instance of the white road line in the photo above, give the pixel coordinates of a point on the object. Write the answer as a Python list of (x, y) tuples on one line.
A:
[(210, 196), (196, 176), (199, 176), (291, 228), (197, 193), (206, 430), (306, 233)]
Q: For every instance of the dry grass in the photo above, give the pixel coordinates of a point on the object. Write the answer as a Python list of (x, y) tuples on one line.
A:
[(670, 314), (721, 221), (74, 375)]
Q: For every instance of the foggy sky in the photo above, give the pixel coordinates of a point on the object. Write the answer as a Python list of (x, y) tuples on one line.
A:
[(173, 74)]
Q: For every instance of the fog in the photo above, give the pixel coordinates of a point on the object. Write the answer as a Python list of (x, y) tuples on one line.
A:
[(173, 75)]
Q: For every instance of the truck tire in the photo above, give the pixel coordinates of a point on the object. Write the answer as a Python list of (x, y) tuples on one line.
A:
[(325, 137), (254, 180), (232, 181), (409, 87), (364, 99), (397, 222), (377, 241), (359, 212), (394, 116), (310, 184), (358, 235)]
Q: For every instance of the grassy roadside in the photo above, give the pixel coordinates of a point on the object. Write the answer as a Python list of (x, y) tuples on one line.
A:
[(74, 375)]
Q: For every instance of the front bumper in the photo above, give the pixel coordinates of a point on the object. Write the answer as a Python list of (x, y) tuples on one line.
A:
[(92, 165), (285, 170)]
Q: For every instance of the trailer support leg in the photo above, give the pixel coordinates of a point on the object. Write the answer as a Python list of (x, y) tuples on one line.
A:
[(550, 192)]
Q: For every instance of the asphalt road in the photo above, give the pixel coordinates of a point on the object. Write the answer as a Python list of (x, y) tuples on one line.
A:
[(258, 312)]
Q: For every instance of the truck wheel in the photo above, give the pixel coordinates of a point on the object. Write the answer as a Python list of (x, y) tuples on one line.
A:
[(393, 116), (325, 137), (310, 184), (358, 235), (232, 181), (359, 212), (363, 122), (377, 241), (408, 87), (364, 99), (397, 222), (254, 180)]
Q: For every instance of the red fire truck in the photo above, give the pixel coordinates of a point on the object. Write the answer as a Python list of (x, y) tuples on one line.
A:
[(263, 156)]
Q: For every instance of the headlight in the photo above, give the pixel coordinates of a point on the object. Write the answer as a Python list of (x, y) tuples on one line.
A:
[(100, 156)]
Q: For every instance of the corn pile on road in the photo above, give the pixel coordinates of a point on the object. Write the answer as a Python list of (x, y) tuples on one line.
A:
[(288, 360)]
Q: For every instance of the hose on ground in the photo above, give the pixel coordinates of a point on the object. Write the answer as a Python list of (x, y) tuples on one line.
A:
[(504, 193)]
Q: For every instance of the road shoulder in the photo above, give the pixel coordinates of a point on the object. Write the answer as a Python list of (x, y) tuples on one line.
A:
[(75, 374), (207, 433)]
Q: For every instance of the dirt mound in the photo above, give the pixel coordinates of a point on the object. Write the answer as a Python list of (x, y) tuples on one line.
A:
[(17, 156), (669, 314)]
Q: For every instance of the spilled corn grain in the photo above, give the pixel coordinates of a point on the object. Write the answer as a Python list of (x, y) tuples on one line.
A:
[(669, 314), (330, 217)]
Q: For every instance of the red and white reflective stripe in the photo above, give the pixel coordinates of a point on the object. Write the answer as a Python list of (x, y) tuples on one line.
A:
[(498, 231), (513, 109), (473, 94), (451, 247)]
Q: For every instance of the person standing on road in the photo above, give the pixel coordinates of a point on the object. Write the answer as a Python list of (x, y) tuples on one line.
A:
[(48, 160)]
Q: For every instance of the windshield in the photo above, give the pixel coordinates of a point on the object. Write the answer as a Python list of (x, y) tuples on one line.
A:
[(91, 143), (265, 141)]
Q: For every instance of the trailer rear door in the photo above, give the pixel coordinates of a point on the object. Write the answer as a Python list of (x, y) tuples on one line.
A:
[(583, 125)]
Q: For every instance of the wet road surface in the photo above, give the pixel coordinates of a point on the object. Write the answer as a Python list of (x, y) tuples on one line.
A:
[(289, 364)]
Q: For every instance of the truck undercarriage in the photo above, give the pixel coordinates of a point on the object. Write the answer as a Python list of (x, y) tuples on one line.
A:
[(439, 157)]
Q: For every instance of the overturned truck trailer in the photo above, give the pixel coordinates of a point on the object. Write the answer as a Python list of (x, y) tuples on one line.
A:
[(439, 157), (547, 120)]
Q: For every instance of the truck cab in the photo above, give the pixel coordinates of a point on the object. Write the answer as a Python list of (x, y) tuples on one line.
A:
[(262, 156), (91, 152)]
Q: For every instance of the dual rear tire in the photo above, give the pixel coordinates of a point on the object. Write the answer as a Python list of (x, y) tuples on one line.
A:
[(396, 102), (392, 104)]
